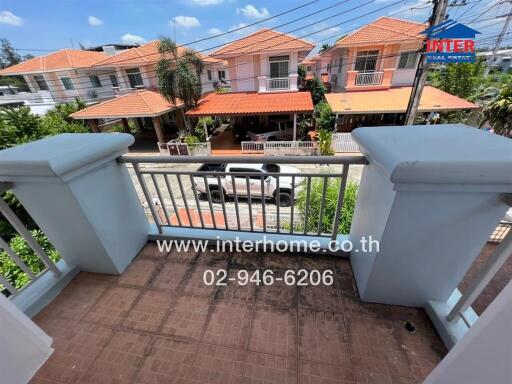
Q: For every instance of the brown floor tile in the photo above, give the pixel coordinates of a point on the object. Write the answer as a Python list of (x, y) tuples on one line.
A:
[(274, 331), (316, 373), (170, 276), (278, 294), (187, 317), (195, 284), (280, 261), (149, 311), (320, 298), (184, 257), (170, 361), (214, 259), (76, 344), (322, 338), (119, 360), (229, 324), (139, 272), (112, 307), (217, 365), (151, 251), (235, 291), (364, 377), (247, 261), (261, 368)]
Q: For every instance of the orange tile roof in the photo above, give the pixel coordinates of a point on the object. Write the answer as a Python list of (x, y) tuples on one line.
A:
[(264, 40), (384, 29), (394, 100), (63, 59), (253, 103), (145, 54), (141, 103)]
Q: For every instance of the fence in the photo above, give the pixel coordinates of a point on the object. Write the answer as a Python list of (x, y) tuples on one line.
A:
[(8, 282), (215, 197), (184, 149), (253, 147), (343, 142), (281, 148), (369, 78)]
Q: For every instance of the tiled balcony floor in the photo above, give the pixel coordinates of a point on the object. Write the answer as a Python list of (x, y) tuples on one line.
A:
[(158, 323)]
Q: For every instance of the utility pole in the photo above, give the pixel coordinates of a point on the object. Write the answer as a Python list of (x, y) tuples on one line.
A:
[(498, 42), (438, 13)]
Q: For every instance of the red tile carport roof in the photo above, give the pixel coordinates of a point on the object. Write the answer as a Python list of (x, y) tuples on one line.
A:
[(253, 103), (141, 103)]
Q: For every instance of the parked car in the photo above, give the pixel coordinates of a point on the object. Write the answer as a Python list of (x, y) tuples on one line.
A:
[(280, 130), (255, 172)]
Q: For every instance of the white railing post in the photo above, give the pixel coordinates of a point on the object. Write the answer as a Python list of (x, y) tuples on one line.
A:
[(80, 197), (262, 83)]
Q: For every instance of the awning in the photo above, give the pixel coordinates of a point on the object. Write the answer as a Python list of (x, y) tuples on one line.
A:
[(141, 103), (253, 103), (394, 100)]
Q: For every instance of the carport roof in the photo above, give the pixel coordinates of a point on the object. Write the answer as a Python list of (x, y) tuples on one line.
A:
[(253, 103), (141, 103)]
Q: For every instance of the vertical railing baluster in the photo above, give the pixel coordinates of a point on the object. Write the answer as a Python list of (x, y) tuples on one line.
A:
[(184, 197), (149, 200), (339, 206), (292, 205), (278, 203), (306, 215), (263, 211), (17, 260), (322, 204), (8, 285), (194, 191), (162, 203), (249, 199), (209, 197), (221, 190), (235, 195), (173, 200)]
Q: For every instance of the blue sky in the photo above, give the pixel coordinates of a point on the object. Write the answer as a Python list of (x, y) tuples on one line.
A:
[(55, 24)]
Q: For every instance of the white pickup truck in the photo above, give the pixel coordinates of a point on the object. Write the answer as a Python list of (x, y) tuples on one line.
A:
[(255, 173), (281, 130)]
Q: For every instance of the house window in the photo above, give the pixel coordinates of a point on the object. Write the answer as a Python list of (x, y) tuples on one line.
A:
[(113, 80), (340, 64), (407, 60), (67, 83), (366, 61), (308, 68), (41, 82), (279, 66), (134, 77), (209, 74), (95, 81), (221, 74)]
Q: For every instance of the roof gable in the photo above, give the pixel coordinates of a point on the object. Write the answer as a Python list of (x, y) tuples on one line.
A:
[(264, 40)]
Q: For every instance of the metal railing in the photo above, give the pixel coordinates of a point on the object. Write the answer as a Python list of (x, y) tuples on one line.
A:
[(343, 142), (278, 83), (253, 147), (243, 201), (369, 78), (7, 281)]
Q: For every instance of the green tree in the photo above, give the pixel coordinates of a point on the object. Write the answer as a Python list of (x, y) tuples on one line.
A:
[(325, 142), (178, 73), (8, 58), (317, 89), (498, 112), (459, 79), (324, 117), (324, 47)]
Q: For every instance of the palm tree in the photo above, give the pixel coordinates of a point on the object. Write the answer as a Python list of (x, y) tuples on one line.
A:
[(499, 111), (324, 47), (178, 73)]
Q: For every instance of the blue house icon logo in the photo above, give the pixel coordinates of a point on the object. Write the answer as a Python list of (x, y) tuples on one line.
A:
[(450, 42)]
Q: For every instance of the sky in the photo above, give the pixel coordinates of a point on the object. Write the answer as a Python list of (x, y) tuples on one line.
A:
[(35, 26)]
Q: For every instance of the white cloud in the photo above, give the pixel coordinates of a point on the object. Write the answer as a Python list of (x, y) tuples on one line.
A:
[(185, 21), (252, 12), (204, 3), (128, 38), (7, 17), (320, 30), (214, 31), (94, 21)]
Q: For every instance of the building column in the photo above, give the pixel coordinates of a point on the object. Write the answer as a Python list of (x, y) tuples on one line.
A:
[(93, 124), (158, 129), (126, 126)]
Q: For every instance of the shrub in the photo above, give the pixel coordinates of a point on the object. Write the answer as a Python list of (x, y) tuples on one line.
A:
[(191, 139), (316, 88), (325, 142), (324, 117), (12, 272), (331, 202), (199, 128)]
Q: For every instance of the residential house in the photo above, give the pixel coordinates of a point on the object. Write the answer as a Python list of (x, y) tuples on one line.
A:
[(371, 72), (502, 59)]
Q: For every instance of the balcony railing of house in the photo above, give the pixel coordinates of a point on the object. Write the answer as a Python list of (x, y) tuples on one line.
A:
[(281, 83), (275, 84), (343, 142), (369, 78), (66, 184)]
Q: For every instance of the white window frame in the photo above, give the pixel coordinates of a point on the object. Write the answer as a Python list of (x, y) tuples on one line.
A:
[(288, 60), (92, 82), (139, 73), (417, 56), (44, 80), (367, 50), (72, 83)]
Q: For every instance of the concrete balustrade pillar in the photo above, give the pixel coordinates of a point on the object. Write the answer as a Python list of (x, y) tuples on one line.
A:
[(262, 83), (81, 197), (293, 81), (431, 196)]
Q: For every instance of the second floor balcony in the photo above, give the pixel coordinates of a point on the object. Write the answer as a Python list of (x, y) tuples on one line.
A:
[(361, 80), (277, 84)]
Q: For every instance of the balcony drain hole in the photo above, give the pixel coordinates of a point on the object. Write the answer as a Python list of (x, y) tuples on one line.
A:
[(410, 327)]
